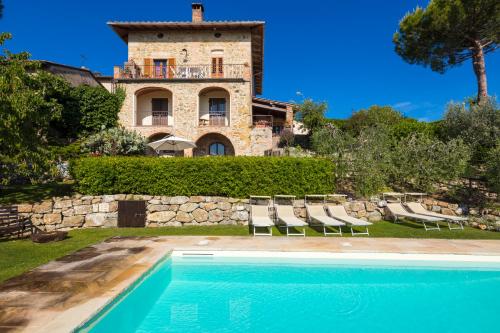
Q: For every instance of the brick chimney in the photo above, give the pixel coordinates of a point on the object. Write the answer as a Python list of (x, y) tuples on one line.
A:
[(198, 11)]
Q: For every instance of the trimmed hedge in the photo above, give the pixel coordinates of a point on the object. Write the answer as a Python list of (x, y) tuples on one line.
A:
[(237, 177)]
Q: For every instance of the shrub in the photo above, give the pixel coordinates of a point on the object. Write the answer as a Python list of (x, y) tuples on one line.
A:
[(287, 138), (218, 176), (115, 141), (86, 110), (493, 168)]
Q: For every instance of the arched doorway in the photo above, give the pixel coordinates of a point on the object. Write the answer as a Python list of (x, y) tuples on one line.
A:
[(213, 144), (214, 107), (153, 107)]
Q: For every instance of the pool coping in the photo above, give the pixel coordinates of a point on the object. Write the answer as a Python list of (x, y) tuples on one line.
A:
[(131, 268)]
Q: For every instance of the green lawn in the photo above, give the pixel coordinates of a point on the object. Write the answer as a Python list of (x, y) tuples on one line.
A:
[(18, 256), (13, 194)]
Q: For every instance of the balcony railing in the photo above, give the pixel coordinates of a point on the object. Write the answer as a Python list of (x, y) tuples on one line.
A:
[(188, 72), (218, 118), (268, 121), (160, 118)]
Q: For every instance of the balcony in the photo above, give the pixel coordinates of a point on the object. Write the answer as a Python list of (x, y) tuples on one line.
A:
[(181, 72), (277, 124), (160, 118), (214, 119)]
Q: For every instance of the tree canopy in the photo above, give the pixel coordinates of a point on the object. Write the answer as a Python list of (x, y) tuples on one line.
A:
[(26, 110), (448, 32)]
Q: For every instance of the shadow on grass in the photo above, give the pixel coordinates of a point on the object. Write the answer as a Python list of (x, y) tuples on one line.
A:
[(13, 194)]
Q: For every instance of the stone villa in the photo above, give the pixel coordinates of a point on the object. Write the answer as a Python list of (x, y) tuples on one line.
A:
[(199, 80)]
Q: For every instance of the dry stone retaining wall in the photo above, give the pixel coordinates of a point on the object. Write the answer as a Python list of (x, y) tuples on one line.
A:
[(65, 213)]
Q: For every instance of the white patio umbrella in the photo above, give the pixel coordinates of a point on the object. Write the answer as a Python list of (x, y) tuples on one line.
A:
[(173, 143)]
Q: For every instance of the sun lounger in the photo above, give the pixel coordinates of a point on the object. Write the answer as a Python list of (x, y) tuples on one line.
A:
[(339, 213), (259, 218), (316, 215), (286, 216), (417, 208), (397, 211)]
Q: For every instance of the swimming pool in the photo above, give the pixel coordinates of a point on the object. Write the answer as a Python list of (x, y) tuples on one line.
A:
[(206, 293)]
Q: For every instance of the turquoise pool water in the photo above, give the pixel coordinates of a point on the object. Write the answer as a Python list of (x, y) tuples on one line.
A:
[(280, 295)]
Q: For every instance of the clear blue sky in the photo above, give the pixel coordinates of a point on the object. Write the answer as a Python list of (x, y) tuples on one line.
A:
[(337, 51)]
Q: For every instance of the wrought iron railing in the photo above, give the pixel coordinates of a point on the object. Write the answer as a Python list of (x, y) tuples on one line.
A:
[(188, 72), (214, 118)]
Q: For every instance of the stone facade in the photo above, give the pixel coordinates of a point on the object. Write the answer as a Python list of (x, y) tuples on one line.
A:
[(187, 98), (102, 211)]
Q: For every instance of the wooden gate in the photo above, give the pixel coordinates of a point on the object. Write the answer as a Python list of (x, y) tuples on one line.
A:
[(131, 214)]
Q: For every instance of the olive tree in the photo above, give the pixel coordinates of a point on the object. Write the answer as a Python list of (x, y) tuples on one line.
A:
[(419, 162), (115, 141)]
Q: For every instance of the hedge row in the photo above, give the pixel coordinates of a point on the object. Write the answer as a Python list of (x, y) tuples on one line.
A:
[(237, 177)]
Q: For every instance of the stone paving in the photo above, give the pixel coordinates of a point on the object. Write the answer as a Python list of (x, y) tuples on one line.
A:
[(61, 295)]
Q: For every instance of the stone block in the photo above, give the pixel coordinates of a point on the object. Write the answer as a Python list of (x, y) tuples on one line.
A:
[(183, 217), (73, 221), (196, 199), (104, 207), (208, 206), (25, 208), (178, 200), (94, 220), (436, 208), (62, 204), (161, 216), (357, 206), (215, 215), (108, 198), (37, 219), (447, 211), (83, 209), (173, 224), (51, 218), (158, 208), (42, 207), (241, 215), (224, 206), (188, 207), (200, 215), (361, 213), (370, 206), (374, 216)]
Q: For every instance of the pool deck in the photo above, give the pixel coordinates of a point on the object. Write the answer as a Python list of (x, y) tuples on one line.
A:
[(63, 294)]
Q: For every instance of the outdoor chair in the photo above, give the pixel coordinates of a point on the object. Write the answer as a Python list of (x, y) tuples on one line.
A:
[(397, 210), (417, 208), (339, 213), (259, 217)]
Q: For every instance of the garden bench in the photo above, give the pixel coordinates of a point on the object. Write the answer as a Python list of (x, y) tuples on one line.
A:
[(12, 224)]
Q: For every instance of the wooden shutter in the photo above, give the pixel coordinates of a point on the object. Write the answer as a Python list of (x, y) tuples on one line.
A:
[(217, 67), (148, 67), (221, 68), (171, 68)]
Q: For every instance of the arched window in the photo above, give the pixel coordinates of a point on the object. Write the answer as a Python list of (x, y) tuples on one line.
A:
[(217, 149)]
